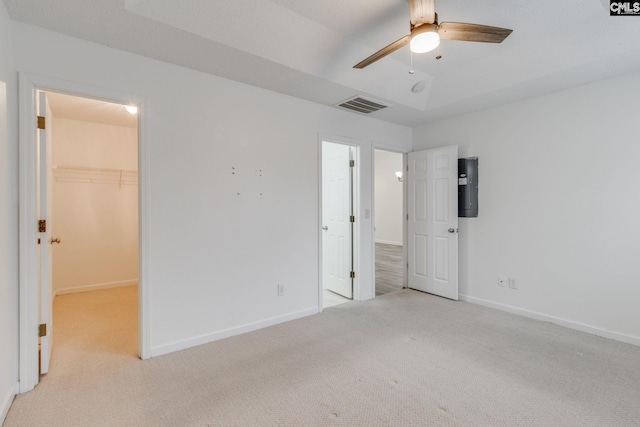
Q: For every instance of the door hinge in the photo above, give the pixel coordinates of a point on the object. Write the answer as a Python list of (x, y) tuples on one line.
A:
[(42, 225), (41, 124), (42, 330), (352, 274), (352, 163), (407, 217), (352, 218)]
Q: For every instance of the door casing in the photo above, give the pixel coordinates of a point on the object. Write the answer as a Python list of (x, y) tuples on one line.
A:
[(28, 233), (45, 181), (336, 168), (357, 231), (404, 211)]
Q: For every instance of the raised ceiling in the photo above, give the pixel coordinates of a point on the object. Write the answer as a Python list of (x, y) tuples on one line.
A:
[(307, 48)]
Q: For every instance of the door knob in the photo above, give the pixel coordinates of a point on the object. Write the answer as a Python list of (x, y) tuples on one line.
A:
[(451, 230), (56, 240), (325, 228)]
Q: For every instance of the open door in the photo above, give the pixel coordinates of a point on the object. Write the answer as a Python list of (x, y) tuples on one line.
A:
[(337, 225), (432, 232), (44, 205), (35, 286)]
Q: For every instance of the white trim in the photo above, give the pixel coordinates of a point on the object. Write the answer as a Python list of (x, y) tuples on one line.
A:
[(567, 323), (359, 294), (405, 224), (366, 296), (28, 289), (388, 242), (7, 401), (144, 281), (320, 270), (405, 210), (95, 287), (226, 333)]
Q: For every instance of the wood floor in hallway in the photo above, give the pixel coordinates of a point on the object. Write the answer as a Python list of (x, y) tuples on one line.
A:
[(389, 272)]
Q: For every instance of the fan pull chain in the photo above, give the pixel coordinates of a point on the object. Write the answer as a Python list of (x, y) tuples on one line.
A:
[(411, 70), (438, 56)]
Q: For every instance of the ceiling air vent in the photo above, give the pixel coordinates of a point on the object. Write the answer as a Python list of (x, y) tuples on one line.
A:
[(362, 105)]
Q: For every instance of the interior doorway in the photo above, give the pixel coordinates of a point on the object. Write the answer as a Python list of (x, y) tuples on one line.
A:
[(36, 240), (88, 194), (389, 225), (338, 219)]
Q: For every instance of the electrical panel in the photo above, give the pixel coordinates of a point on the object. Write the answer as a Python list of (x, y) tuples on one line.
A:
[(468, 187)]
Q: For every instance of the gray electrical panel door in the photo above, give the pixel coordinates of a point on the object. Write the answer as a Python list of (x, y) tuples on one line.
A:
[(468, 187)]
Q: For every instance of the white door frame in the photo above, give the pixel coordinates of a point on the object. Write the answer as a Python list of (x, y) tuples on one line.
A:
[(404, 210), (357, 231), (28, 248), (338, 252)]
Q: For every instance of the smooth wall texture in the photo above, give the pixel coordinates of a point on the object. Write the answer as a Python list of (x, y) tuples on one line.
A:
[(8, 219), (388, 197), (558, 196), (95, 212), (234, 192)]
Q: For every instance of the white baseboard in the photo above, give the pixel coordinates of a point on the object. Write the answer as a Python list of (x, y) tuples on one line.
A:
[(389, 242), (7, 401), (95, 287), (365, 297), (571, 324), (226, 333)]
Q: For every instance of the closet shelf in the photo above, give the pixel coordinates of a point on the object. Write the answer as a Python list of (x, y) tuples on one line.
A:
[(91, 175)]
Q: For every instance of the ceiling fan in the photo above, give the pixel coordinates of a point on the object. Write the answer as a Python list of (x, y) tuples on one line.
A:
[(426, 32)]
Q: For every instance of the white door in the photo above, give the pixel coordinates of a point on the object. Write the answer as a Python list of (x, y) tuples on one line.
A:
[(337, 228), (433, 221), (44, 214)]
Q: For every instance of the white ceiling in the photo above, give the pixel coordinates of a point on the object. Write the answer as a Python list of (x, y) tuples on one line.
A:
[(90, 110), (307, 48)]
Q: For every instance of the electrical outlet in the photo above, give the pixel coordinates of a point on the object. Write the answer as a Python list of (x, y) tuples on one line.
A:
[(502, 281), (513, 284), (280, 290)]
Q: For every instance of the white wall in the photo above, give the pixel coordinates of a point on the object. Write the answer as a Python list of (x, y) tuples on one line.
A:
[(8, 219), (97, 221), (558, 196), (221, 241), (388, 197)]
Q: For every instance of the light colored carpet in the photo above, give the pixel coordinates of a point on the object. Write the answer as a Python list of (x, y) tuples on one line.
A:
[(404, 359), (329, 299)]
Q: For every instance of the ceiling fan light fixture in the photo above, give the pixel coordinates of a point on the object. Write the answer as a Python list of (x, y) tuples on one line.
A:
[(426, 29), (424, 42)]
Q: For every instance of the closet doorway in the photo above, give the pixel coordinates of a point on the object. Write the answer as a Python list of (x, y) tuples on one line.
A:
[(389, 227), (93, 227)]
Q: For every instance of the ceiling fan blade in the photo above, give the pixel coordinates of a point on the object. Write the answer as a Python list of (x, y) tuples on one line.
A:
[(472, 32), (422, 12), (384, 52)]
